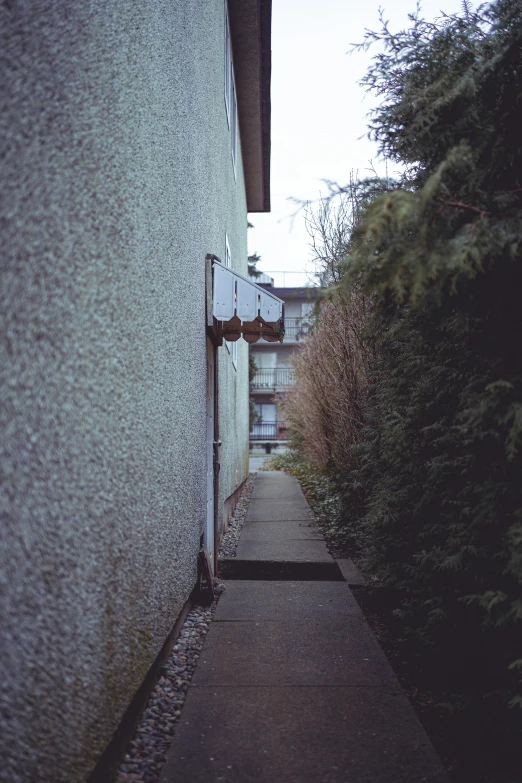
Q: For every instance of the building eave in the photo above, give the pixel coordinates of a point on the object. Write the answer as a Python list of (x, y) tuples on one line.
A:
[(251, 26)]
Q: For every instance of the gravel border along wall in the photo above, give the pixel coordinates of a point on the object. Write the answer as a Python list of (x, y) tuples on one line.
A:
[(147, 751)]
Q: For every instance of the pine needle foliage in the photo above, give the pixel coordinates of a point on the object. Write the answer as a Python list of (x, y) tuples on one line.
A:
[(447, 81), (419, 424), (440, 452)]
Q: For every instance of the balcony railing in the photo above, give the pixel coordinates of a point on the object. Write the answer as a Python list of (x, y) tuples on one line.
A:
[(269, 430), (297, 328), (273, 377)]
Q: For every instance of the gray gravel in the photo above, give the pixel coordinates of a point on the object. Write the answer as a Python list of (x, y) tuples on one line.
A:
[(231, 538), (147, 751)]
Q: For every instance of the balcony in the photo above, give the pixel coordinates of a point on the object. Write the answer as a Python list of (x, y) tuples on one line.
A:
[(269, 431), (296, 329), (273, 378)]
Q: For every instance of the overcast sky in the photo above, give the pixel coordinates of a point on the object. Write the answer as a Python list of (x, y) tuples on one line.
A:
[(318, 113)]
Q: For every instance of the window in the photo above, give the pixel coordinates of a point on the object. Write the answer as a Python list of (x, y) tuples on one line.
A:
[(266, 427), (266, 360), (230, 91), (231, 346), (307, 312)]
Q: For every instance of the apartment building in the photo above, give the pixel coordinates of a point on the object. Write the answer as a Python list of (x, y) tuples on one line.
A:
[(274, 372)]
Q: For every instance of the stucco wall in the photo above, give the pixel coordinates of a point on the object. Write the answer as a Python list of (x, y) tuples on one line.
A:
[(293, 308), (117, 180)]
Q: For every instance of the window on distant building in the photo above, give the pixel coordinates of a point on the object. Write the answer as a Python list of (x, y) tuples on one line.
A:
[(307, 311), (231, 346), (230, 91)]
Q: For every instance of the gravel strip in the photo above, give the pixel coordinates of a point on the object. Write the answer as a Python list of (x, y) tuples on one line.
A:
[(147, 751), (231, 538)]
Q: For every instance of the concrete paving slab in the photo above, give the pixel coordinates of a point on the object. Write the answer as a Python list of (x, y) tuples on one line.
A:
[(284, 550), (300, 735), (291, 685), (264, 510), (320, 652), (273, 491), (272, 531), (275, 476), (279, 601), (350, 572)]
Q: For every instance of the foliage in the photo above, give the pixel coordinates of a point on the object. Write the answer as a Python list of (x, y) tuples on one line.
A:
[(253, 415), (253, 260), (445, 82), (324, 408), (320, 490), (332, 220), (431, 476)]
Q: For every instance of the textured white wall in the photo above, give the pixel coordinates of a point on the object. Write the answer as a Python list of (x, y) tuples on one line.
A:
[(292, 308), (116, 181)]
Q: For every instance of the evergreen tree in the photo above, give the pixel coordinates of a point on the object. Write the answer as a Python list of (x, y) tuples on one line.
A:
[(253, 260), (440, 453)]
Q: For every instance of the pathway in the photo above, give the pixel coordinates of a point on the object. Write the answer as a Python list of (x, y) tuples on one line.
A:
[(292, 686)]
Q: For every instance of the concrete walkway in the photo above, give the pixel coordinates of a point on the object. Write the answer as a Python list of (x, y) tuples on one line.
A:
[(292, 686)]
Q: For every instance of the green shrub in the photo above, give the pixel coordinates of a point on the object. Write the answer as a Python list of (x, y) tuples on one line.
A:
[(431, 481), (440, 454)]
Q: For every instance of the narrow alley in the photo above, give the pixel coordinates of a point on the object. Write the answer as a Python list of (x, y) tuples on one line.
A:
[(291, 685)]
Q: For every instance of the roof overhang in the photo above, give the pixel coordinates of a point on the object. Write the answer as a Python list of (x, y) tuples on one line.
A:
[(251, 30), (242, 309)]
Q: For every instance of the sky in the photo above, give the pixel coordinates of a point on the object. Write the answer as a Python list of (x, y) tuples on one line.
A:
[(318, 115)]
